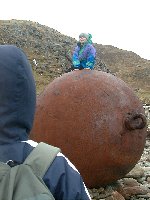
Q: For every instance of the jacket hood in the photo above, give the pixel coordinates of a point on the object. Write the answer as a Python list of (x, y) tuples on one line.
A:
[(17, 95), (88, 36)]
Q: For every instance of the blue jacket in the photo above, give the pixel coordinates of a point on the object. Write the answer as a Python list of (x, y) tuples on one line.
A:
[(17, 108), (84, 56)]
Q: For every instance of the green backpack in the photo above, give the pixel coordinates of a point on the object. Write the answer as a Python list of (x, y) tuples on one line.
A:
[(24, 181)]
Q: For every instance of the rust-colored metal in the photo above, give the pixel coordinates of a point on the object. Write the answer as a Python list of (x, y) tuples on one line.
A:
[(97, 121)]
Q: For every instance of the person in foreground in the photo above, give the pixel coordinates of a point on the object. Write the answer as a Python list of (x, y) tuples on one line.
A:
[(84, 53), (17, 109)]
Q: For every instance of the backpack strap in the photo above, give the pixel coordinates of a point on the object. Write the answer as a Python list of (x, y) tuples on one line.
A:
[(41, 158)]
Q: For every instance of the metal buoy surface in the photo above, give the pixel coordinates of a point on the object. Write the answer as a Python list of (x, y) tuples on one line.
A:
[(97, 121)]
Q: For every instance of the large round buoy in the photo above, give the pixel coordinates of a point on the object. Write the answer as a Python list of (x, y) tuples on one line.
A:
[(97, 121)]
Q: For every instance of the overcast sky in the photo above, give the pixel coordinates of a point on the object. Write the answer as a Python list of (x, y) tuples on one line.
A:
[(121, 23)]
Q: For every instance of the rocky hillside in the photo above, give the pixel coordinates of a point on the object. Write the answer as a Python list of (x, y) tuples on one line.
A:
[(50, 52)]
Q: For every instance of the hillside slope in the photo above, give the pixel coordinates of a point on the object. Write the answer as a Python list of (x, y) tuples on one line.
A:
[(50, 52)]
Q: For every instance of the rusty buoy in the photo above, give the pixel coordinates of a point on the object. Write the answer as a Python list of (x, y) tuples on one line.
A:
[(97, 121)]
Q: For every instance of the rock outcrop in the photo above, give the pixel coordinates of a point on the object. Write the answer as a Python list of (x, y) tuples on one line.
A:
[(52, 52)]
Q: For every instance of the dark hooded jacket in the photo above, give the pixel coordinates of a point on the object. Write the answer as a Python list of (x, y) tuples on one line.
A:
[(17, 109)]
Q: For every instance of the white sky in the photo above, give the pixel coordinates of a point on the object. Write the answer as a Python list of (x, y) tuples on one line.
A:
[(122, 23)]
